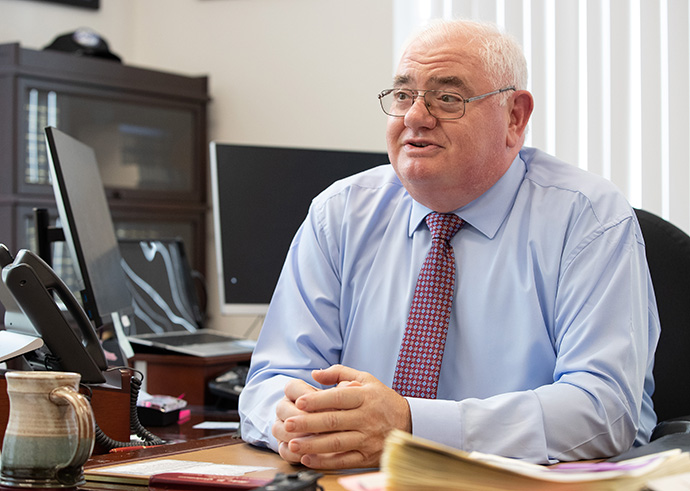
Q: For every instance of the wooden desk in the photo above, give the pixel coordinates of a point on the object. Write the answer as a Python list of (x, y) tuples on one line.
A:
[(173, 375), (234, 451), (189, 438)]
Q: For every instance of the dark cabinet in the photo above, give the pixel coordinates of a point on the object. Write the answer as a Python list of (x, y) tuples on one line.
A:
[(147, 128)]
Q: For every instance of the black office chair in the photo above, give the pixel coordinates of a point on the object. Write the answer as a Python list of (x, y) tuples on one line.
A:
[(668, 256)]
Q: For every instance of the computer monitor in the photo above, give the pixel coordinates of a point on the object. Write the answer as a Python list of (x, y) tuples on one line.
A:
[(261, 195), (88, 229)]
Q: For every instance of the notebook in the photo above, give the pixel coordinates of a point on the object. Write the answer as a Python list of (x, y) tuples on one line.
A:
[(167, 312)]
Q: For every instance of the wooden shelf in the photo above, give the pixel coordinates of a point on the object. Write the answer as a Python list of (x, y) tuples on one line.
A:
[(186, 376)]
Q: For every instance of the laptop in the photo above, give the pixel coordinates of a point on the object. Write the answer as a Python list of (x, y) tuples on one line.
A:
[(154, 268), (167, 313)]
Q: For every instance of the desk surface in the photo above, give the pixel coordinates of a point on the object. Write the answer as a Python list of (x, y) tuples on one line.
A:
[(235, 451)]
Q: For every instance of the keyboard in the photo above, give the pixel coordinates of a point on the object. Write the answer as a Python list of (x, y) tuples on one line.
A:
[(193, 338)]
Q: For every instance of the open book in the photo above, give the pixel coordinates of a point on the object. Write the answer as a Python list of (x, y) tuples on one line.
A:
[(412, 463)]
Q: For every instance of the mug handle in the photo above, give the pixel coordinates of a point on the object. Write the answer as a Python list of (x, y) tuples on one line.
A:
[(85, 422)]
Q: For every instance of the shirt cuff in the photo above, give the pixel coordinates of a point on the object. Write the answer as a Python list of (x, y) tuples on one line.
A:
[(436, 420)]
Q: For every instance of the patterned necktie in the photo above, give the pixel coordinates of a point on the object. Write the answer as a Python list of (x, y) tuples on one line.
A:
[(421, 352)]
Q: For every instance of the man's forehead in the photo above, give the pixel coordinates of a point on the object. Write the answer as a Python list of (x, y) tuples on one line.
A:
[(433, 81), (442, 63)]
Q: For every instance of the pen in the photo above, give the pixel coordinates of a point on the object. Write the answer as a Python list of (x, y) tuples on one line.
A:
[(125, 449)]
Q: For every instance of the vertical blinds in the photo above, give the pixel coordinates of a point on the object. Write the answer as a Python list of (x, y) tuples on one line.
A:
[(611, 82)]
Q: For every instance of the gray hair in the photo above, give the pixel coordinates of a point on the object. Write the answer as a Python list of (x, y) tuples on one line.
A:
[(499, 52)]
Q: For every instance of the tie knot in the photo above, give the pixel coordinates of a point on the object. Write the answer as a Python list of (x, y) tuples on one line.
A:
[(443, 225)]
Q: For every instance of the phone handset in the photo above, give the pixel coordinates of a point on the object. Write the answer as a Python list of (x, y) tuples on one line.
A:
[(29, 279), (5, 256), (15, 320)]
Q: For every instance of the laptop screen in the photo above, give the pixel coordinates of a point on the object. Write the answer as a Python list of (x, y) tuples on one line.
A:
[(160, 280)]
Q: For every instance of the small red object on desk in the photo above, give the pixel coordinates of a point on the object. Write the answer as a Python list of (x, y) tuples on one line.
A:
[(126, 449), (180, 480)]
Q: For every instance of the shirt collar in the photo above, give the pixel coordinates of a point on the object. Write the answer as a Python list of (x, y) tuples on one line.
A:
[(487, 212)]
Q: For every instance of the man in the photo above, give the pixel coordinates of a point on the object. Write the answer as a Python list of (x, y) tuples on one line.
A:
[(553, 325)]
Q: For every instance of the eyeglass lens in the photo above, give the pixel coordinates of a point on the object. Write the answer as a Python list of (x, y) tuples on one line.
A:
[(440, 104)]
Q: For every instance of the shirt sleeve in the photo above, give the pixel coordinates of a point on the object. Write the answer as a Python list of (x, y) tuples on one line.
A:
[(300, 332)]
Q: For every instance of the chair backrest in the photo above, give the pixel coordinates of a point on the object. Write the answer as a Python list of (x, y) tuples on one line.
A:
[(668, 256)]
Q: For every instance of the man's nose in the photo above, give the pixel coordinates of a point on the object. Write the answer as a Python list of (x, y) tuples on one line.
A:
[(418, 115)]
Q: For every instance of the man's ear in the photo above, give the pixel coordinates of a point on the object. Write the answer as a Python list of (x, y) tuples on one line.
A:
[(520, 106)]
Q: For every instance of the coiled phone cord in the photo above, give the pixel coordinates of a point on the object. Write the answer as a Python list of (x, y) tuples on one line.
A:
[(148, 438)]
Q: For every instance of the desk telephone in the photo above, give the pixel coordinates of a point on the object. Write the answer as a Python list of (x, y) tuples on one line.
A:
[(29, 283), (32, 283)]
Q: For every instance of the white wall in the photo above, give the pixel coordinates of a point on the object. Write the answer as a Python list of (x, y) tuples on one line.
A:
[(309, 49)]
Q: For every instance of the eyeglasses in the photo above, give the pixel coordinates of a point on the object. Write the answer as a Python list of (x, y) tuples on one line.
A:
[(441, 104)]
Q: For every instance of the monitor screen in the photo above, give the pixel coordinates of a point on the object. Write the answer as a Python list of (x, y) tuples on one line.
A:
[(261, 195), (162, 285), (88, 228)]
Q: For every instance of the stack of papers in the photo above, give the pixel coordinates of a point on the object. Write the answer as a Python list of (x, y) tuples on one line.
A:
[(411, 463)]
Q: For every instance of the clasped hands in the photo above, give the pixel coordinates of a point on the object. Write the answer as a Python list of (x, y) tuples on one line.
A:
[(340, 427)]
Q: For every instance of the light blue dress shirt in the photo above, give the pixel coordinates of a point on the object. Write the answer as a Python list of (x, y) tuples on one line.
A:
[(554, 325)]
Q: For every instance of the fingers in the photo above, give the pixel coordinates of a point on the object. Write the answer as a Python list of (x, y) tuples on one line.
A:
[(286, 409), (296, 388), (326, 443), (323, 422), (282, 435), (347, 395), (335, 374), (293, 391), (341, 427), (294, 422), (346, 460), (335, 451), (351, 383), (343, 378), (287, 455)]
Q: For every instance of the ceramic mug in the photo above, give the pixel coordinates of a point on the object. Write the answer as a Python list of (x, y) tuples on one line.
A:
[(50, 432)]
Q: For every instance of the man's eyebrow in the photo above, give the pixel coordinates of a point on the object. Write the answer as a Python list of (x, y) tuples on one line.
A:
[(401, 80), (449, 81)]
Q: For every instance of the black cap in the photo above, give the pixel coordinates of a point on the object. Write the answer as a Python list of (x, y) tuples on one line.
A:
[(83, 42)]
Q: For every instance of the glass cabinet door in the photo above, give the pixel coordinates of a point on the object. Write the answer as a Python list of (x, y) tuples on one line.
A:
[(142, 148), (140, 229)]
